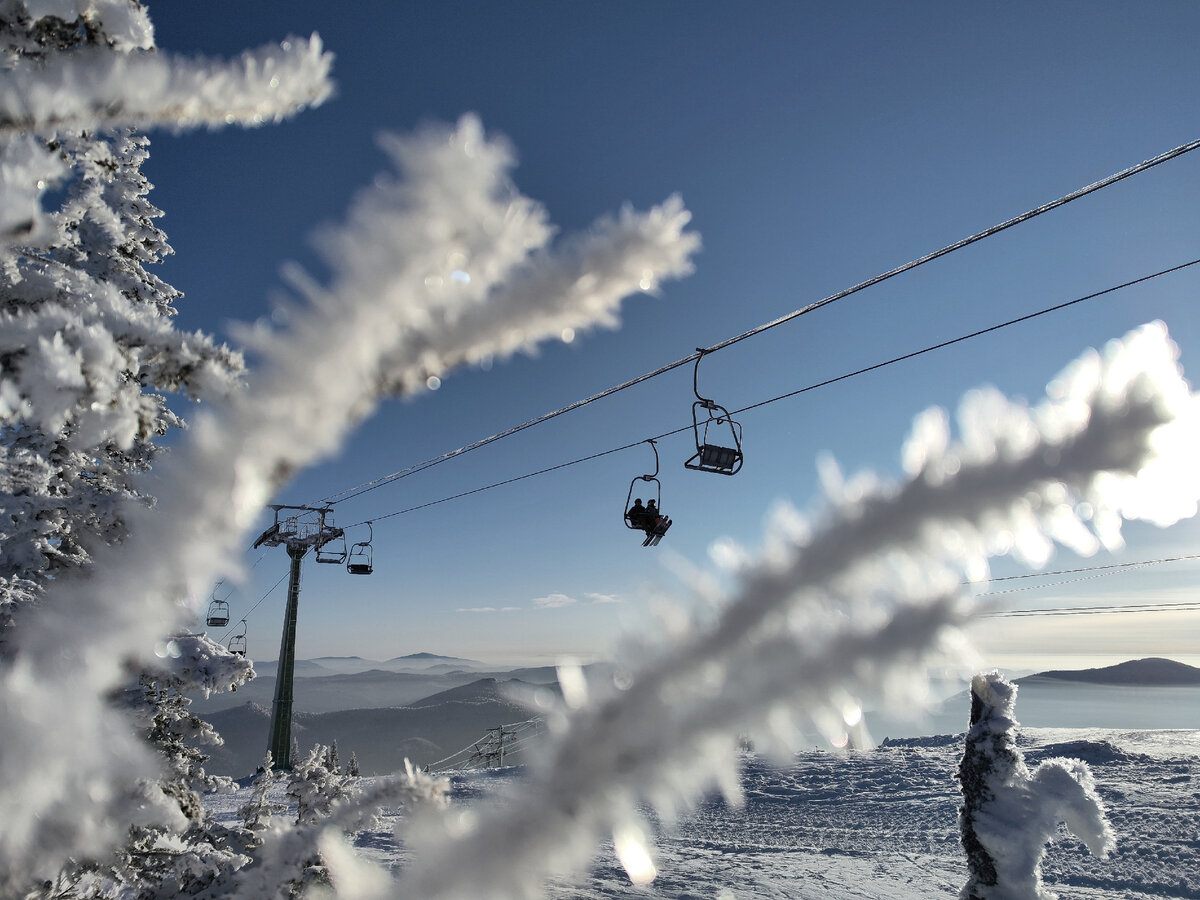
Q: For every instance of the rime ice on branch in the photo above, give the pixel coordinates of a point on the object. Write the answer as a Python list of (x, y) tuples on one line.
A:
[(1009, 815), (394, 314)]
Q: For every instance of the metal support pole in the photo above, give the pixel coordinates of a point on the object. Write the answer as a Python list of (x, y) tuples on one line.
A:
[(281, 709)]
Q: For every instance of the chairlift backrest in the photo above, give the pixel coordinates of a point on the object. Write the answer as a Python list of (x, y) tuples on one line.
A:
[(722, 459)]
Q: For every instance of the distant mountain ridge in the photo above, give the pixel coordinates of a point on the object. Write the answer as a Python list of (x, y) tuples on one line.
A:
[(435, 656), (381, 738), (1152, 671)]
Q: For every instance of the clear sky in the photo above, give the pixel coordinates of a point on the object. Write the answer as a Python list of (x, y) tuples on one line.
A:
[(817, 145)]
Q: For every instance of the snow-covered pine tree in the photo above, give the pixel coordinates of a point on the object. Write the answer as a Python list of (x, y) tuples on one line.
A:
[(315, 786), (258, 811), (87, 348), (88, 352), (332, 762)]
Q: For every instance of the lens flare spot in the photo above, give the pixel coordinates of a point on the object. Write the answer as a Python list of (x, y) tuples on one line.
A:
[(852, 714), (630, 846), (568, 335), (433, 382)]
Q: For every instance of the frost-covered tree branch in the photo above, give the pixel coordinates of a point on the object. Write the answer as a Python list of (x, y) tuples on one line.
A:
[(96, 88), (422, 255), (839, 608)]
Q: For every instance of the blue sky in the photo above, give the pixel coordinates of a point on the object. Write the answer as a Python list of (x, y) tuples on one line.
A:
[(816, 145)]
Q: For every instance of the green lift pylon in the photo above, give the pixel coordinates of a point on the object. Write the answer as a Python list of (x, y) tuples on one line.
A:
[(301, 529)]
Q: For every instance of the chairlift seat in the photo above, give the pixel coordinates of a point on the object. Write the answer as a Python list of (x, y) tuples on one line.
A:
[(217, 620), (360, 568), (712, 456)]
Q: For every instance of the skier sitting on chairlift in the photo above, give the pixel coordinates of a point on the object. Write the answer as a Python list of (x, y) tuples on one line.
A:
[(655, 524), (637, 514)]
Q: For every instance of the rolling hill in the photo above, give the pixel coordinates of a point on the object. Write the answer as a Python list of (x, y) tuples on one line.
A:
[(1150, 672)]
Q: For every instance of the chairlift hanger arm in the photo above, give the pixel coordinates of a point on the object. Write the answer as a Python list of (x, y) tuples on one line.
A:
[(704, 401)]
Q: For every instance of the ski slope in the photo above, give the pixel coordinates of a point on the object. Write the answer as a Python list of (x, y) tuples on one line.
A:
[(883, 823)]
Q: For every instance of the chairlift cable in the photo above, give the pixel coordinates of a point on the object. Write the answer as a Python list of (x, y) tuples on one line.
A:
[(1182, 606), (967, 337), (270, 591), (375, 483), (1049, 584), (1129, 565), (967, 241), (686, 428)]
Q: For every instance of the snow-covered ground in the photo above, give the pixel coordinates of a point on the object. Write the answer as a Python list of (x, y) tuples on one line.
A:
[(883, 823)]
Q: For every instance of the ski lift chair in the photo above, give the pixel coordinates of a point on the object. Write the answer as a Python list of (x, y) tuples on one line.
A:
[(237, 643), (218, 613), (709, 416), (360, 560), (654, 532), (333, 551)]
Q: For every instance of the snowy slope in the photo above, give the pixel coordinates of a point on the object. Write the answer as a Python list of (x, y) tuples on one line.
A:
[(883, 824)]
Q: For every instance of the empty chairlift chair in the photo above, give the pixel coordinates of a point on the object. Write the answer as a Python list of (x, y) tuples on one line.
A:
[(218, 613), (333, 551), (360, 560), (711, 423)]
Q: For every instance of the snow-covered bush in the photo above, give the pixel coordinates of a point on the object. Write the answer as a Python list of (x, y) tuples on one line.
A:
[(1009, 814)]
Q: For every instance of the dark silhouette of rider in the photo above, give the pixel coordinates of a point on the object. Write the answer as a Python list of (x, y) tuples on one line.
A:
[(653, 518), (637, 514)]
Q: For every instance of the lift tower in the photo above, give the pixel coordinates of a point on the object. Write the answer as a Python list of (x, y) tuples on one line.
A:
[(300, 529)]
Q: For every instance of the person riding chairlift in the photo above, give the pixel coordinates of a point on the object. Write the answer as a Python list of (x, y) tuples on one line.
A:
[(637, 514), (654, 521)]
